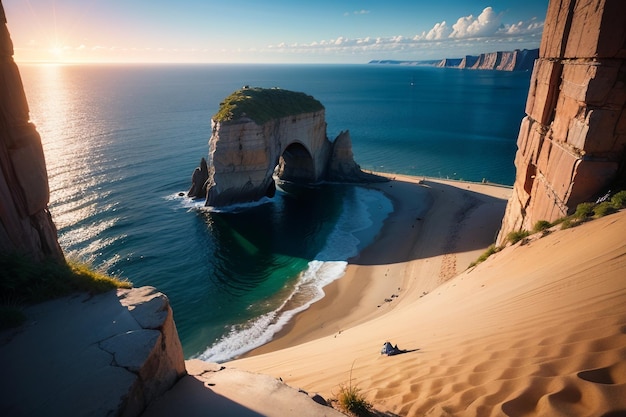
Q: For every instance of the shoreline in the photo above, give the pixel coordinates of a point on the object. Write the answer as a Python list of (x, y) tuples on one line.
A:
[(408, 258)]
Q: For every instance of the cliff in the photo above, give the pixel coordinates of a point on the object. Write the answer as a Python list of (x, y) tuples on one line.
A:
[(258, 133), (572, 142), (110, 354), (517, 60), (26, 226)]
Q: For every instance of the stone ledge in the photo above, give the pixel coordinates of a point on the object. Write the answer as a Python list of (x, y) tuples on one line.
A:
[(91, 355)]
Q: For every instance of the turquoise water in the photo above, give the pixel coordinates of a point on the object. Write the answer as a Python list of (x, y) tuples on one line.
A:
[(121, 143)]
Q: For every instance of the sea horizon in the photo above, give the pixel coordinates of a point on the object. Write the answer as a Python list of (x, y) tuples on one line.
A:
[(121, 143)]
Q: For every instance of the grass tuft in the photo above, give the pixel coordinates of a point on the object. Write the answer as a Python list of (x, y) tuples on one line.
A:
[(541, 225), (583, 211), (352, 400), (482, 258), (24, 282), (619, 200), (517, 235), (604, 209)]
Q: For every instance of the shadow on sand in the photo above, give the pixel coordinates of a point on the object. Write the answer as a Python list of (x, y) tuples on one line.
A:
[(448, 209)]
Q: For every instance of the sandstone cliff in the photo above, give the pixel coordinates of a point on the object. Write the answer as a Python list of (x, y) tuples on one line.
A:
[(280, 133), (25, 222), (517, 60), (572, 142)]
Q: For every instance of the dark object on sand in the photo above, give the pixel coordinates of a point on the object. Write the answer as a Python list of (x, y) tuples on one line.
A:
[(390, 350)]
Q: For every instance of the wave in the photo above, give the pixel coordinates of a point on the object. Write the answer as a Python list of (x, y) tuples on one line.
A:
[(363, 211), (244, 338), (199, 204)]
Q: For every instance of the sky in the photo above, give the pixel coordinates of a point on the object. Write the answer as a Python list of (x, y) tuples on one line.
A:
[(268, 31)]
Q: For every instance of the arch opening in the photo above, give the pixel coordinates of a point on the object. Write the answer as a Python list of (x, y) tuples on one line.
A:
[(296, 165)]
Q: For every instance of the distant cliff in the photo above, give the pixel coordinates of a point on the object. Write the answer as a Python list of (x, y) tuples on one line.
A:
[(517, 60)]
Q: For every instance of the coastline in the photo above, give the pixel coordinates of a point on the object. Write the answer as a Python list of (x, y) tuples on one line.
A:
[(436, 229), (536, 329)]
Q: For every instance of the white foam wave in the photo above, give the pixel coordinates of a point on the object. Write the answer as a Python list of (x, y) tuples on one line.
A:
[(199, 204), (330, 265), (257, 332)]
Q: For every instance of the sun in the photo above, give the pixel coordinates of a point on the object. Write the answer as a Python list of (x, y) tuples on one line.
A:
[(56, 51)]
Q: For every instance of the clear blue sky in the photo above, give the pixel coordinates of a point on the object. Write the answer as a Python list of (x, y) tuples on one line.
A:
[(272, 31)]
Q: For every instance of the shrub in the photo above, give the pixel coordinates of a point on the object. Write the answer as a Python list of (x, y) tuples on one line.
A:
[(583, 211), (566, 223), (541, 225), (516, 236), (619, 200), (604, 209)]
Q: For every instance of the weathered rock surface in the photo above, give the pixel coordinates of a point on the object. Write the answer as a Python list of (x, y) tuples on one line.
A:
[(110, 354), (230, 392), (25, 223), (245, 155), (199, 180), (572, 142), (342, 167)]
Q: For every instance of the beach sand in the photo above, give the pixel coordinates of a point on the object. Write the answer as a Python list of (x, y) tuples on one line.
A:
[(537, 329)]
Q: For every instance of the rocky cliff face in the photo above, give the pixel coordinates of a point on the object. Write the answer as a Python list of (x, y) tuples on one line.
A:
[(244, 155), (25, 223), (517, 60), (572, 142)]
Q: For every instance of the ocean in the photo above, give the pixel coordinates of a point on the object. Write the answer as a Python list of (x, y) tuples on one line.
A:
[(121, 143)]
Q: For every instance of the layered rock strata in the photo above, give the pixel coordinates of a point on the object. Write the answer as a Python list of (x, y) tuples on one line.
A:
[(572, 142), (245, 154), (26, 226), (517, 60)]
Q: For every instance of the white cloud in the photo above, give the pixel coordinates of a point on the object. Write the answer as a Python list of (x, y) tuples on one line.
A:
[(357, 12), (467, 34), (486, 24), (439, 31), (523, 28)]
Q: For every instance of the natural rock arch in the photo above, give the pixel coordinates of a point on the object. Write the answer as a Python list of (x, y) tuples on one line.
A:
[(259, 133), (296, 164)]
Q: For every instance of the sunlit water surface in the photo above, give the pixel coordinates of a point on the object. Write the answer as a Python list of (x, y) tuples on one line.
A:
[(121, 143)]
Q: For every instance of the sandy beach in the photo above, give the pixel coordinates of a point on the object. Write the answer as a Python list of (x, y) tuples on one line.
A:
[(438, 227), (537, 329)]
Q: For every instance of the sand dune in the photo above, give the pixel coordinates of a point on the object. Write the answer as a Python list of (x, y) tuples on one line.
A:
[(538, 329)]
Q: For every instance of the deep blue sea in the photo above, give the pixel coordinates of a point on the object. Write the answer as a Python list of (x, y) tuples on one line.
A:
[(121, 143)]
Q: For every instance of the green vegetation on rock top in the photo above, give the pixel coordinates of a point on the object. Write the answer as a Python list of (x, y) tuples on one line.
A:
[(265, 104), (24, 282)]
